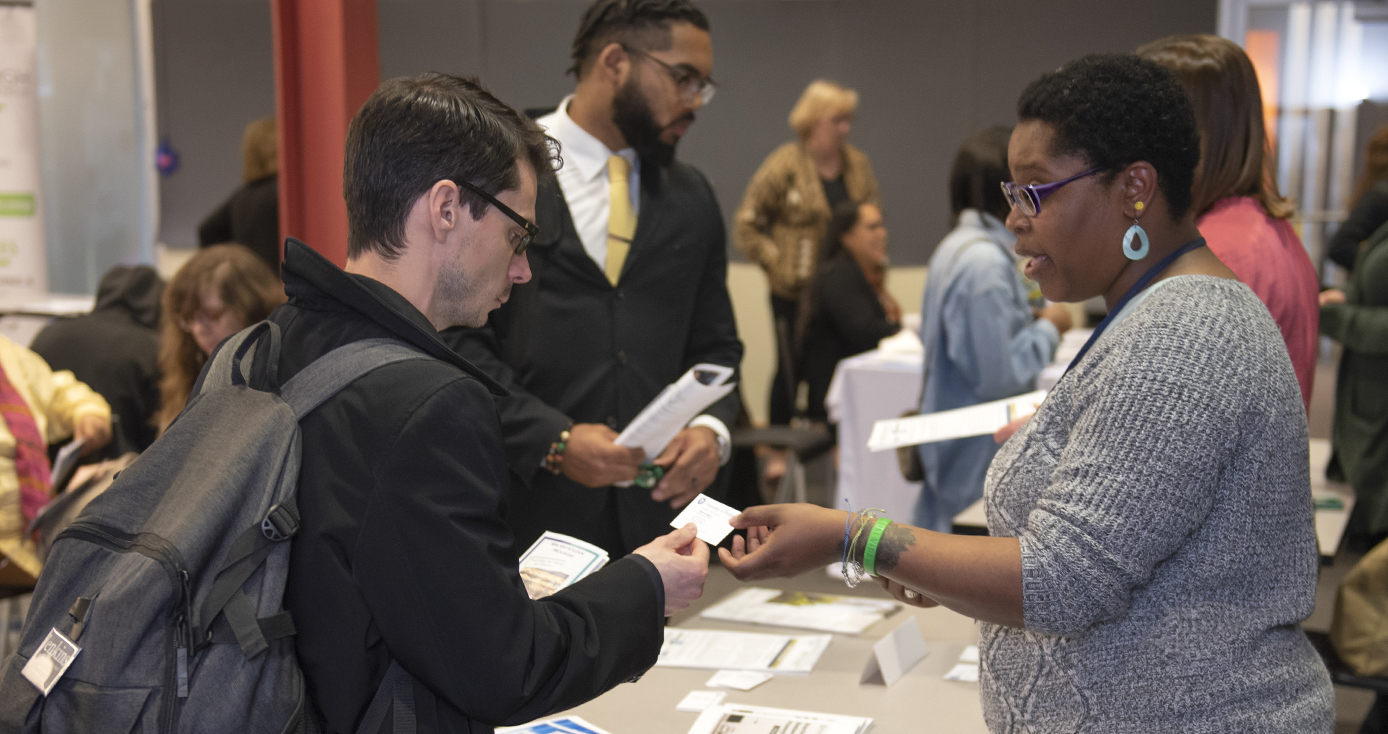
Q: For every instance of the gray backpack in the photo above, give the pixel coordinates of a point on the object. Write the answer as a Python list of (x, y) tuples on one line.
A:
[(171, 582)]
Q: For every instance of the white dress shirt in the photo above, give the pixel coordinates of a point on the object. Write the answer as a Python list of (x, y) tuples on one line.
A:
[(583, 179)]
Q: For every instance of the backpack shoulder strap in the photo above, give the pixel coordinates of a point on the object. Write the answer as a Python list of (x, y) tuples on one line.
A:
[(341, 367), (225, 368)]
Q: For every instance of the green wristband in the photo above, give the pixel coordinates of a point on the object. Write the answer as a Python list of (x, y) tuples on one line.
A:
[(870, 552)]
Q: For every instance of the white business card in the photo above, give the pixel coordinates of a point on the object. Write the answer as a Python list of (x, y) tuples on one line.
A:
[(697, 701), (742, 680), (710, 516)]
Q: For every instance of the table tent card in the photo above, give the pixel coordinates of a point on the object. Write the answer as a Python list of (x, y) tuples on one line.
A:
[(849, 615), (555, 561), (731, 718), (717, 650), (895, 654)]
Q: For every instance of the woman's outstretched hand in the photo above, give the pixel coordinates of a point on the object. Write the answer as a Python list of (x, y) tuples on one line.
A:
[(784, 540)]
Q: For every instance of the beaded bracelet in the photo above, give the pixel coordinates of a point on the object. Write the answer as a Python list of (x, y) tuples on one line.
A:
[(555, 457), (853, 571)]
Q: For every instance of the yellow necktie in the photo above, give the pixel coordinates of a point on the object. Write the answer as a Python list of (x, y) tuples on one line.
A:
[(621, 219)]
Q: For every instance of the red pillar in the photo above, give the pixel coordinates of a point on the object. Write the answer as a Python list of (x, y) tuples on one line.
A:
[(326, 65)]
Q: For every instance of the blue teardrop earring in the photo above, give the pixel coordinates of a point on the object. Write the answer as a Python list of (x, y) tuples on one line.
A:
[(1136, 232)]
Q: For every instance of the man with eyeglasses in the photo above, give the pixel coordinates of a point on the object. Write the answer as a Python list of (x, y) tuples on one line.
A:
[(629, 291), (403, 554)]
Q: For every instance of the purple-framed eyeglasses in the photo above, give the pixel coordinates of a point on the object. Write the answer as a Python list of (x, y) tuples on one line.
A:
[(1028, 198)]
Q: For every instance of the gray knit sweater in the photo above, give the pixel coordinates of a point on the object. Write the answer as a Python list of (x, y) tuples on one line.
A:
[(1162, 499)]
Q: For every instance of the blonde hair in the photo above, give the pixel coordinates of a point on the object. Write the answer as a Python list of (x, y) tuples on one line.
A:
[(820, 100), (259, 150), (245, 284)]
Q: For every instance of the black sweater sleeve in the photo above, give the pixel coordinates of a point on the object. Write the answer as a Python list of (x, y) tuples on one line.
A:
[(1367, 216)]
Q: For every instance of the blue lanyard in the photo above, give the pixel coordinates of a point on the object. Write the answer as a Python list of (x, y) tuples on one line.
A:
[(1137, 288)]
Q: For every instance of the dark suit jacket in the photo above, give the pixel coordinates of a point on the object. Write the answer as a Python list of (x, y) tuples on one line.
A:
[(570, 347)]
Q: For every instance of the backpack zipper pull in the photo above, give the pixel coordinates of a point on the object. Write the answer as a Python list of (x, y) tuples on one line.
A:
[(180, 632)]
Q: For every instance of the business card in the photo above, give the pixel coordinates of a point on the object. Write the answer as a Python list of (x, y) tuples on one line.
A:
[(710, 516)]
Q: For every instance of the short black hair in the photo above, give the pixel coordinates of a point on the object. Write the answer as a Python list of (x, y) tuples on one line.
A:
[(413, 133), (644, 24), (1116, 109), (980, 168)]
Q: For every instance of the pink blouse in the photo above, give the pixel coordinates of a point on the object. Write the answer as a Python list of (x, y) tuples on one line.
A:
[(1266, 254)]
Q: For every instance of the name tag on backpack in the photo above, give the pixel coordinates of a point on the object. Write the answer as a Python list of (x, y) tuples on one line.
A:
[(50, 661)]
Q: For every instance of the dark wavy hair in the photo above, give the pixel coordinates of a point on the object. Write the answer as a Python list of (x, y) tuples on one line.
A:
[(644, 24), (1113, 110), (413, 133), (980, 167)]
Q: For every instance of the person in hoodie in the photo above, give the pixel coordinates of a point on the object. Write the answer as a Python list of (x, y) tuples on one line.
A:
[(115, 350)]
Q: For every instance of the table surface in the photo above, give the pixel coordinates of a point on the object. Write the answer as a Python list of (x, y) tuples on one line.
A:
[(921, 696)]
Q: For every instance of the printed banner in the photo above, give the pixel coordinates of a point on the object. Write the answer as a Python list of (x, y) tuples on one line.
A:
[(23, 257)]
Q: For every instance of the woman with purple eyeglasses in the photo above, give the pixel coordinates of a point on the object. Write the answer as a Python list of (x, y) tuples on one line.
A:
[(1151, 551)]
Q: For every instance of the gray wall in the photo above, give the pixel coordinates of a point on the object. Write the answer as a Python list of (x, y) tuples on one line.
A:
[(89, 152), (214, 72), (929, 73)]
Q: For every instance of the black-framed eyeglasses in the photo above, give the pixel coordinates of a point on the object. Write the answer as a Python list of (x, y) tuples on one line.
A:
[(687, 81), (1028, 198), (531, 229)]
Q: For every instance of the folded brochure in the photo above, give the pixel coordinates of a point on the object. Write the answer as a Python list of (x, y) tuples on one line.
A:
[(732, 718), (824, 612), (555, 561)]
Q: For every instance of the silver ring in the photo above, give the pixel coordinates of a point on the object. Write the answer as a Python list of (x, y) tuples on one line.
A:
[(910, 594)]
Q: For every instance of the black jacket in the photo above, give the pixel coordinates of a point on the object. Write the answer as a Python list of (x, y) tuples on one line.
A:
[(403, 551), (845, 318), (115, 350), (251, 217), (570, 348), (1369, 213)]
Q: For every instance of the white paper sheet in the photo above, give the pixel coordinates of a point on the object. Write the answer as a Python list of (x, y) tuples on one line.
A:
[(976, 420), (966, 672), (731, 718), (697, 701), (825, 612), (555, 561), (742, 680), (676, 405), (717, 650)]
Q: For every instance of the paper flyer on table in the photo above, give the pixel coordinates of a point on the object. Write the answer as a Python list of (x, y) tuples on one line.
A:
[(676, 405), (976, 420), (555, 561), (731, 718), (824, 612), (717, 650)]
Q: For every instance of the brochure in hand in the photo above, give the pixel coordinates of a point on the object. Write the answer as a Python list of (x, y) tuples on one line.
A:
[(555, 561)]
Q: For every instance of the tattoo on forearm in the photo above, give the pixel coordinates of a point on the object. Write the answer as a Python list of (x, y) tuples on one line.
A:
[(895, 540)]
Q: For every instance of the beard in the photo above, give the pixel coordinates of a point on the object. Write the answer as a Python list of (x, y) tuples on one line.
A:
[(633, 117), (455, 295)]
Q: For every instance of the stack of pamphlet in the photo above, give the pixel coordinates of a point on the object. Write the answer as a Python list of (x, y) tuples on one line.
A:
[(731, 718), (555, 561), (825, 612)]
